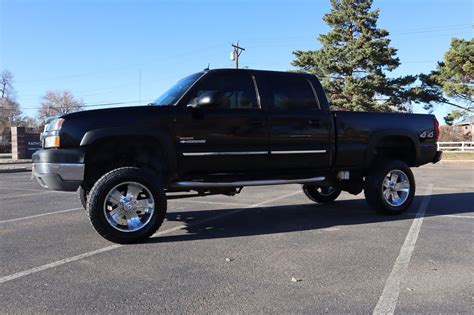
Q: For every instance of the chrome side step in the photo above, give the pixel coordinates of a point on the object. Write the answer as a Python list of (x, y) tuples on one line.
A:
[(191, 184)]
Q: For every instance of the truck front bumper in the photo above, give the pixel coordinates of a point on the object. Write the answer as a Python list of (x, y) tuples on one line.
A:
[(59, 176), (59, 169)]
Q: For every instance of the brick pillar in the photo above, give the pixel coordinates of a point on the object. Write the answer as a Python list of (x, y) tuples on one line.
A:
[(24, 144), (18, 143)]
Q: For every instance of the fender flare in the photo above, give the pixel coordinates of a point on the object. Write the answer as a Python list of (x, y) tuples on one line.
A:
[(375, 138), (160, 136)]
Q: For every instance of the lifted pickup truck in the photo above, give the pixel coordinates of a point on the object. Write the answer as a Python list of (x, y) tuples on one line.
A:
[(217, 131)]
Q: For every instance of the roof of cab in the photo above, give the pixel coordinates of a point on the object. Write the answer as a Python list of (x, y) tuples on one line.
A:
[(255, 70)]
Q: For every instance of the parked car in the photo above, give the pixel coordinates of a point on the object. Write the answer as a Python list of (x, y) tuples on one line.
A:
[(217, 131)]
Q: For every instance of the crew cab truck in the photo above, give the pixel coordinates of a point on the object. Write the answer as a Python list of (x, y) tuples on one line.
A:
[(217, 131)]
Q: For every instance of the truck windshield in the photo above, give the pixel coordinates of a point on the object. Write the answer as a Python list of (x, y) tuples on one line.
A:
[(171, 96)]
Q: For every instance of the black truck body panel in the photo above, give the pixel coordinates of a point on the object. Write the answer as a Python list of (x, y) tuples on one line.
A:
[(358, 133), (259, 141)]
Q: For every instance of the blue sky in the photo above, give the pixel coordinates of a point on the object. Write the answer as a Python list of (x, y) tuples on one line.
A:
[(96, 49)]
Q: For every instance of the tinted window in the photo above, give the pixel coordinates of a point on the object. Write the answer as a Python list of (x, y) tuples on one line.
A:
[(174, 93), (291, 92), (238, 90)]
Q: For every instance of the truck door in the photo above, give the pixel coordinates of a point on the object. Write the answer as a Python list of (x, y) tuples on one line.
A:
[(301, 133), (229, 138)]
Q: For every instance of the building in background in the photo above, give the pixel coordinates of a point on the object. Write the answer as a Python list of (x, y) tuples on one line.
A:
[(464, 128)]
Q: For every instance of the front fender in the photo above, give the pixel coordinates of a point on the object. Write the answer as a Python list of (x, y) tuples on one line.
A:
[(160, 136)]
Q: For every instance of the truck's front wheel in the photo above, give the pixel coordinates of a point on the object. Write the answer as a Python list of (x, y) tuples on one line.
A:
[(390, 187), (126, 205)]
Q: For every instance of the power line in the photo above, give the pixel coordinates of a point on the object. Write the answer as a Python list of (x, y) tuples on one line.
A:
[(408, 32), (124, 68), (98, 104), (207, 49)]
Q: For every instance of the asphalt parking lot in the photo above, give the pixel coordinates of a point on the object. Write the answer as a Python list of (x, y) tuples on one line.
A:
[(239, 254)]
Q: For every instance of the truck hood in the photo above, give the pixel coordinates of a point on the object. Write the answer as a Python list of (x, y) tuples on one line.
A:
[(77, 124)]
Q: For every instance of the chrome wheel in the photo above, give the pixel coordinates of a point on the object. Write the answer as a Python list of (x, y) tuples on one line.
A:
[(395, 188), (129, 206)]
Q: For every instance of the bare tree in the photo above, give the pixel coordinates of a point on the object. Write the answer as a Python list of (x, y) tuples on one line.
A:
[(6, 85), (9, 109), (9, 112), (57, 102)]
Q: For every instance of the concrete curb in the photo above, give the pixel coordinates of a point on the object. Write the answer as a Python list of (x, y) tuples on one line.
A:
[(14, 170)]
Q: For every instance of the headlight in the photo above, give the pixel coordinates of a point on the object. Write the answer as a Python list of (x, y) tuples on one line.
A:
[(52, 141), (51, 134), (57, 124)]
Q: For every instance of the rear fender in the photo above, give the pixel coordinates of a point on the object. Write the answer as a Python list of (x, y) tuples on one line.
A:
[(376, 138)]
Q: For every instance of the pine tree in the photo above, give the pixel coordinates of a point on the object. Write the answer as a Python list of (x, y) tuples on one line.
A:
[(453, 80), (354, 59)]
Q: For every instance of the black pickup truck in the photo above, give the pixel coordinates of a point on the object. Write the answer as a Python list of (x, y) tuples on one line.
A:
[(217, 131)]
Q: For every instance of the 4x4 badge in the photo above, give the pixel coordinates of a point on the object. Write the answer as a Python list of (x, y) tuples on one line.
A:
[(427, 134)]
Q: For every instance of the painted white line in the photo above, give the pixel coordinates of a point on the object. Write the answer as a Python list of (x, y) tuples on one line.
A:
[(112, 247), (57, 263), (20, 188), (34, 194), (25, 195), (389, 298), (39, 215), (458, 216)]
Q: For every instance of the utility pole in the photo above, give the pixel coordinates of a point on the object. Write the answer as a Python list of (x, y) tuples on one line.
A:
[(236, 54)]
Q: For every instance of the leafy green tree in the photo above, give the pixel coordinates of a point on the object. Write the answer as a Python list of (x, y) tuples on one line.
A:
[(453, 80), (354, 59)]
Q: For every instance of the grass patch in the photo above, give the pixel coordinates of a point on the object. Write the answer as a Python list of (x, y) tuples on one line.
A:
[(458, 155)]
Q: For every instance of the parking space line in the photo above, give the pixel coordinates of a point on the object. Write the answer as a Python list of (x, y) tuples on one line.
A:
[(38, 193), (20, 188), (57, 263), (39, 215), (389, 298), (458, 216), (26, 195), (15, 177), (112, 247)]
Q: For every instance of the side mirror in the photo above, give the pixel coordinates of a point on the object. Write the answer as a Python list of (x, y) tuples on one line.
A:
[(208, 99)]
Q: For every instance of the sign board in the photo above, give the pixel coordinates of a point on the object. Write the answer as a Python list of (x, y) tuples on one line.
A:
[(24, 144)]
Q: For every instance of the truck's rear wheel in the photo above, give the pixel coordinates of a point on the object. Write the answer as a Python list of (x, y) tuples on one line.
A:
[(322, 194), (390, 187), (126, 205)]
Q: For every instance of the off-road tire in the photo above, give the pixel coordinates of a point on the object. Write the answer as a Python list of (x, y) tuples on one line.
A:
[(96, 203), (373, 187), (322, 194)]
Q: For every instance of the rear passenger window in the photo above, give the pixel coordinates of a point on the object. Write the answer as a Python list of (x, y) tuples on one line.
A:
[(291, 92), (238, 89)]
